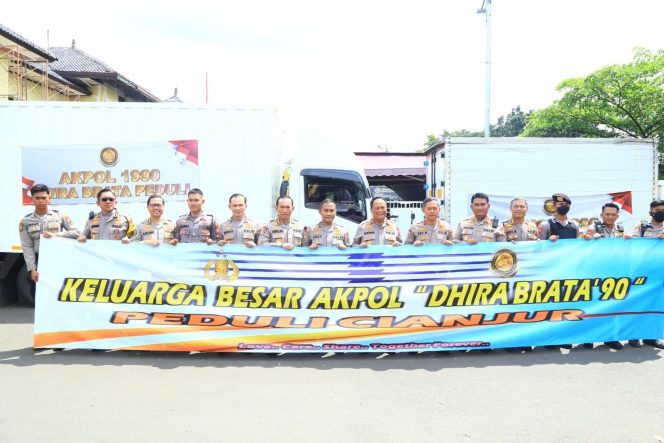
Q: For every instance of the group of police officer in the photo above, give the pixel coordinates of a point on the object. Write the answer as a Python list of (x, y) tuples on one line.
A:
[(287, 233)]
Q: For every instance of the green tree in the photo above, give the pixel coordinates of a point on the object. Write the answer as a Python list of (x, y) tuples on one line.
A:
[(510, 125), (616, 101), (433, 140)]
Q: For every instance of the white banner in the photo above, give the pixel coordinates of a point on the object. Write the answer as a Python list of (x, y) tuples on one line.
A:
[(134, 171), (585, 209)]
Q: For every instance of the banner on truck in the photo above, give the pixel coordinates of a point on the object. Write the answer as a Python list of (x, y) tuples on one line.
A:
[(194, 297), (134, 171), (585, 209)]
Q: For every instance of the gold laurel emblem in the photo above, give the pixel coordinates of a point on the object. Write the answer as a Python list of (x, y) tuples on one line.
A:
[(109, 156), (504, 263), (221, 269), (549, 208)]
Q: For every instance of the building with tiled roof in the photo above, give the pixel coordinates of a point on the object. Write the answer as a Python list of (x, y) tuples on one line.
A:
[(28, 72)]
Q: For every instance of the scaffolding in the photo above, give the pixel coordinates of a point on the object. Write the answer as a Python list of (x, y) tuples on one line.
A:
[(28, 77)]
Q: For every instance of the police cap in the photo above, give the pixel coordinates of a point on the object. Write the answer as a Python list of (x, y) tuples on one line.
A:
[(561, 198)]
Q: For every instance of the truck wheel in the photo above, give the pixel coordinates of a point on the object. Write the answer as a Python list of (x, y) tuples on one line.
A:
[(8, 293), (25, 286)]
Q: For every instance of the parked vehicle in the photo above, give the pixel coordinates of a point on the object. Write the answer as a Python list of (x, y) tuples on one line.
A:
[(230, 150)]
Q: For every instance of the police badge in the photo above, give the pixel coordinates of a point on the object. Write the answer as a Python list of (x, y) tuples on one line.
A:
[(109, 156), (549, 208), (504, 263)]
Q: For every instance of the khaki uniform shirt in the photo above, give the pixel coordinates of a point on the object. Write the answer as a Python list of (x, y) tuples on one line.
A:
[(326, 236), (199, 229), (275, 233), (482, 231), (239, 232), (162, 232), (431, 235), (371, 233), (606, 232), (33, 225), (650, 230), (510, 231), (113, 226)]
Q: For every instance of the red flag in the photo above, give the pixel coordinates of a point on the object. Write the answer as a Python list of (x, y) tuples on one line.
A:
[(187, 147), (624, 199), (27, 185)]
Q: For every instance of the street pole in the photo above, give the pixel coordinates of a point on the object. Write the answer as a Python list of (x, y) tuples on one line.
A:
[(486, 9)]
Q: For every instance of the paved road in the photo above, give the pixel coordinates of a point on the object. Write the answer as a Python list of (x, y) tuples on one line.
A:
[(582, 395)]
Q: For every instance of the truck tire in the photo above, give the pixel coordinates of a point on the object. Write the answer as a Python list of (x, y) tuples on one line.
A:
[(8, 293), (25, 286)]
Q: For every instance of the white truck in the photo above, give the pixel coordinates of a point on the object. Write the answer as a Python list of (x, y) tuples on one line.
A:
[(239, 150), (540, 167)]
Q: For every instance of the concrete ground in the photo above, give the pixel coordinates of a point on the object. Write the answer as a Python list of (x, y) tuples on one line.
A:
[(581, 395)]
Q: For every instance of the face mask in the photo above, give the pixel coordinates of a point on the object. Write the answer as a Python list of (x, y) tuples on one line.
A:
[(658, 217), (562, 210)]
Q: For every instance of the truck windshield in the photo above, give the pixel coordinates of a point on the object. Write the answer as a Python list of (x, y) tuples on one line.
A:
[(342, 188)]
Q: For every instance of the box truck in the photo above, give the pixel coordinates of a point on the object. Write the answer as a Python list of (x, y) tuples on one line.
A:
[(621, 169), (79, 148)]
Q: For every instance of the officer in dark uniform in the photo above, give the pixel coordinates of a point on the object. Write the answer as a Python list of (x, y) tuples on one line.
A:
[(559, 227)]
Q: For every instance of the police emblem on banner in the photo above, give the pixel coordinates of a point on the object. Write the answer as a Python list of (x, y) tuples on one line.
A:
[(504, 263), (221, 268), (549, 208), (109, 156)]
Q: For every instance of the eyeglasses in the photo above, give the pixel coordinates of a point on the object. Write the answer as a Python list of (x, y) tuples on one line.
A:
[(156, 205), (107, 199)]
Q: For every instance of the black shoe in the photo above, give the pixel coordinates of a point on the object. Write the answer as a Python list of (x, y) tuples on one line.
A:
[(552, 347), (634, 343), (565, 346), (588, 345), (615, 345), (659, 344)]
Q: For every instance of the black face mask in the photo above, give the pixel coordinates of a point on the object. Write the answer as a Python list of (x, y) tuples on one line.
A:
[(658, 216), (562, 210)]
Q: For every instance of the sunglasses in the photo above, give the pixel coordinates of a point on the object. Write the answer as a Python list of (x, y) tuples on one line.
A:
[(107, 199)]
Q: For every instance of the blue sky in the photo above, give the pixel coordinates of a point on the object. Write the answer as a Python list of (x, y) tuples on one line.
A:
[(365, 73)]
